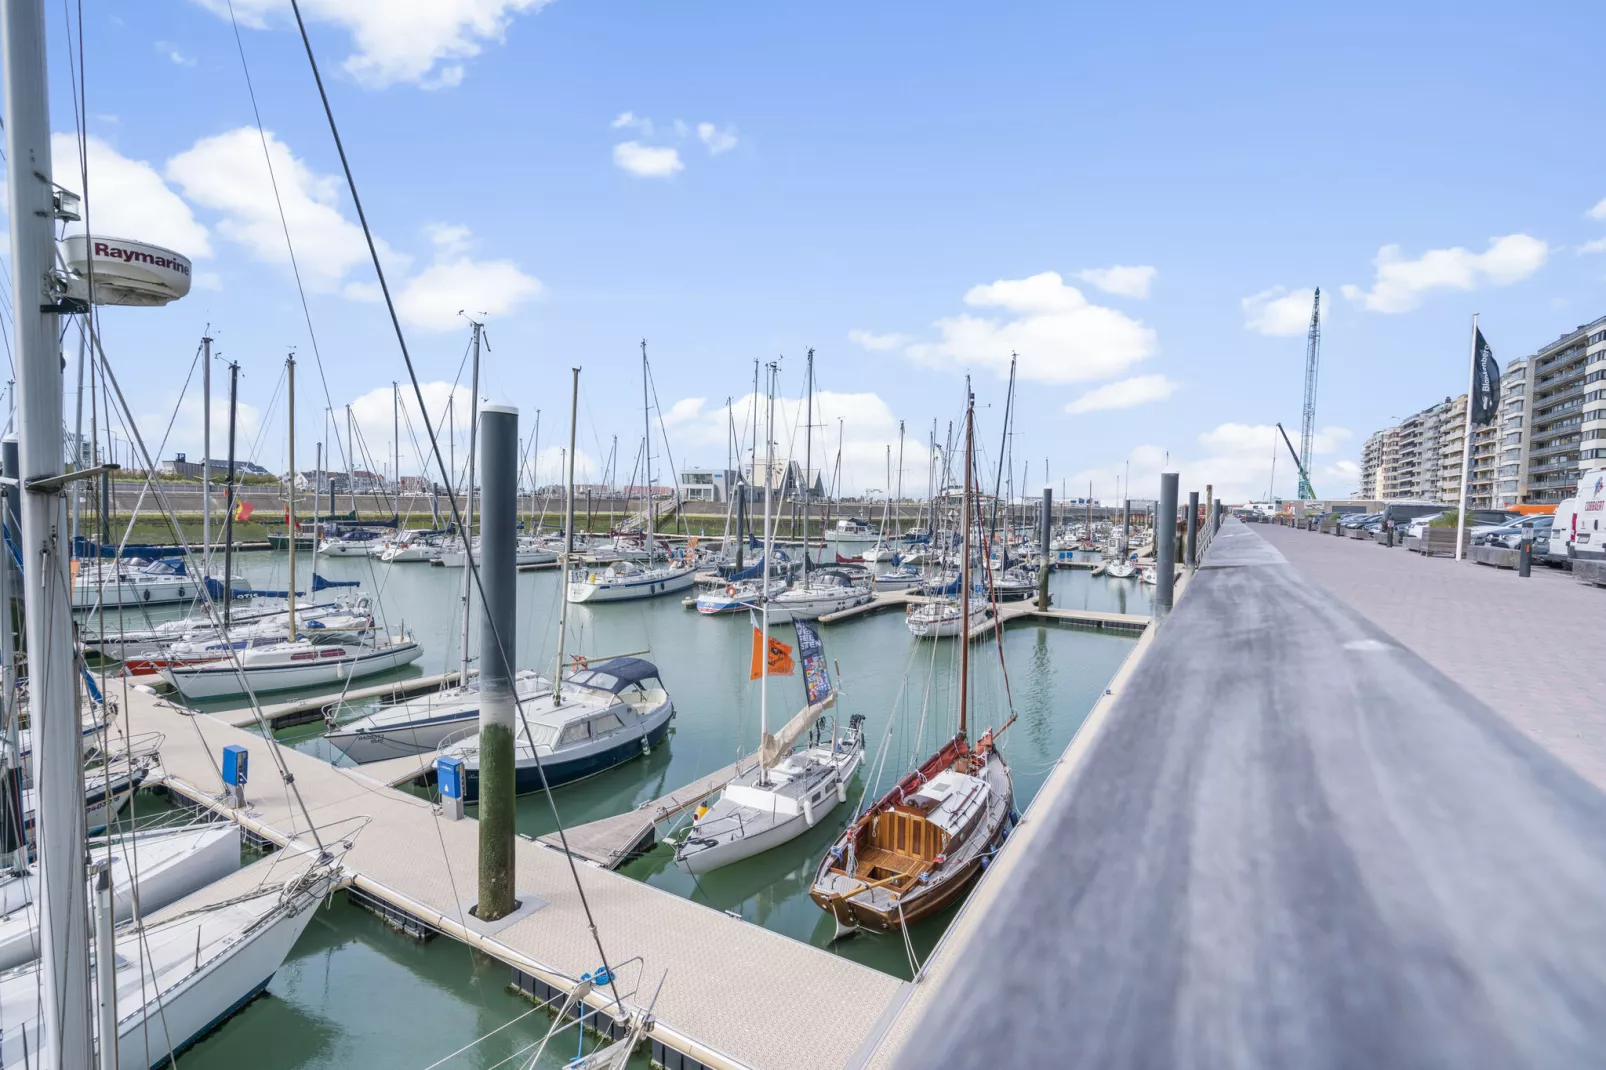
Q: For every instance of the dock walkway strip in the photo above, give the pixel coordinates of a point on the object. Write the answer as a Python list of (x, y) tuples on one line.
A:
[(1289, 842), (735, 995), (1530, 648)]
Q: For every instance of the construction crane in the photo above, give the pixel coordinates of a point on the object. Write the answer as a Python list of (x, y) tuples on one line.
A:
[(1305, 493), (1307, 433)]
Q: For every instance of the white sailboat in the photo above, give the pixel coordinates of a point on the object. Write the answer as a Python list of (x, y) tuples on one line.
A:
[(942, 618), (624, 581), (785, 793), (424, 724)]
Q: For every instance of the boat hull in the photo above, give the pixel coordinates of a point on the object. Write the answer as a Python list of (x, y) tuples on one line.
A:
[(559, 771), (215, 681), (588, 590)]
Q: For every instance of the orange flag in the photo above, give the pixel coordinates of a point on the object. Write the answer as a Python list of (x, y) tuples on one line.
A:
[(780, 656), (243, 511)]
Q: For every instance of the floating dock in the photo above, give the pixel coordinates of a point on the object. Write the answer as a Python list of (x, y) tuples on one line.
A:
[(1005, 612), (735, 996)]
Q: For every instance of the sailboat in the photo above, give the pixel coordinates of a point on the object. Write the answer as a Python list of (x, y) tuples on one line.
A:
[(919, 847), (827, 591), (623, 580), (313, 659), (786, 792)]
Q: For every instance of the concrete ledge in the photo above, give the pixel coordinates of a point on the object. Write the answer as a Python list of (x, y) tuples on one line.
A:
[(1497, 556), (1592, 573)]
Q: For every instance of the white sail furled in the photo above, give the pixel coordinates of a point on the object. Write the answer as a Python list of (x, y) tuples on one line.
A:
[(774, 747)]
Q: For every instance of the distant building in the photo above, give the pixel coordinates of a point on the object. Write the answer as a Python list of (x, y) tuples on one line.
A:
[(708, 484), (323, 482), (184, 468)]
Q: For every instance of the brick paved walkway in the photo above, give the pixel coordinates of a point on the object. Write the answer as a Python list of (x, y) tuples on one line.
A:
[(1534, 649)]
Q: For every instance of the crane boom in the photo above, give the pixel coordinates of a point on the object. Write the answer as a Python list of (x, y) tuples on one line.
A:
[(1307, 433), (1305, 491)]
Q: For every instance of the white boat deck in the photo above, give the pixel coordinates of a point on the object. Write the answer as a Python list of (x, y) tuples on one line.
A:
[(734, 995)]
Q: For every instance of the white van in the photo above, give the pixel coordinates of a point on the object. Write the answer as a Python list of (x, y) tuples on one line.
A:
[(1587, 524)]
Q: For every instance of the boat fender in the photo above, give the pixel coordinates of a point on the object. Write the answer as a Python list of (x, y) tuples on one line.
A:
[(646, 747), (841, 791), (808, 811), (145, 594)]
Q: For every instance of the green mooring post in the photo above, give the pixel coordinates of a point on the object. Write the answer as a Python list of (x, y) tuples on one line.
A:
[(1045, 535), (499, 439)]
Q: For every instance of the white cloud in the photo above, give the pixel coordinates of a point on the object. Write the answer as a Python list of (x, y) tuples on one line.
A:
[(372, 414), (1599, 211), (172, 52), (1278, 310), (717, 140), (187, 433), (684, 410), (1121, 280), (1400, 283), (1124, 394), (1236, 459), (1596, 246), (681, 129), (433, 298), (1059, 336), (647, 161), (128, 199), (228, 173), (870, 340), (628, 120), (424, 42), (449, 239), (208, 280)]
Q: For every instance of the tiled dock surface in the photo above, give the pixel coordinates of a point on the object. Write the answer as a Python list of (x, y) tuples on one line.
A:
[(756, 998), (1529, 648)]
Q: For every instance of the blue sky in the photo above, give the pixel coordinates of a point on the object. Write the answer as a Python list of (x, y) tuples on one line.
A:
[(892, 186)]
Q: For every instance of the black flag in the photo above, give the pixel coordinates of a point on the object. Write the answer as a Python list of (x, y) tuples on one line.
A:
[(1485, 382)]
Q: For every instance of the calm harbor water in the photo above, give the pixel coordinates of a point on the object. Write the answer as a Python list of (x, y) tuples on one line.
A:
[(356, 993)]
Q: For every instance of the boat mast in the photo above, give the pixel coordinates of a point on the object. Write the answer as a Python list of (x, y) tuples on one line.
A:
[(351, 466), (468, 573), (808, 461), (64, 1004), (395, 446), (206, 449), (764, 589), (646, 459), (228, 504), (964, 568), (568, 541), (899, 524), (290, 394)]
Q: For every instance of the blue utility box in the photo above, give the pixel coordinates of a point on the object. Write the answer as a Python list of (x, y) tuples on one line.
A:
[(449, 779), (236, 770)]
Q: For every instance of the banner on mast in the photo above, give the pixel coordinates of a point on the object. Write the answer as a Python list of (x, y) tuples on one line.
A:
[(811, 650), (1485, 397), (780, 655)]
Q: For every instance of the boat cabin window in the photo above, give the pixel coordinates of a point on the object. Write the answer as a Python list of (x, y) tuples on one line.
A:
[(608, 722), (601, 681), (543, 735), (641, 690), (575, 733)]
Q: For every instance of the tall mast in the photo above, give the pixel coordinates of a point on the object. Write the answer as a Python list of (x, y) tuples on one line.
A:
[(351, 464), (395, 441), (764, 588), (808, 461), (290, 396), (64, 1004), (900, 476), (206, 450), (568, 541), (468, 573), (964, 567), (646, 460), (228, 504)]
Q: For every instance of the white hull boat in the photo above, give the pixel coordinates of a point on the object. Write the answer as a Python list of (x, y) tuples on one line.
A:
[(179, 978), (899, 579), (155, 640), (1121, 570), (938, 620), (351, 547), (735, 597), (751, 817), (815, 599), (409, 550), (95, 587), (170, 864), (422, 725), (624, 583), (305, 663)]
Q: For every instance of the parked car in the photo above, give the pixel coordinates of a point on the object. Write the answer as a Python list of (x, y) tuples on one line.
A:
[(1417, 525)]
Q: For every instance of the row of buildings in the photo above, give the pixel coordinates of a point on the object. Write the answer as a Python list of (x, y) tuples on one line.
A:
[(1550, 426)]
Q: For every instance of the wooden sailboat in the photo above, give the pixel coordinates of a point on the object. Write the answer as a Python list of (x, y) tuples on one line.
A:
[(919, 847)]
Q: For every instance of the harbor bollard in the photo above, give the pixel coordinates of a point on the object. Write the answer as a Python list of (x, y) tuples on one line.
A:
[(1191, 546), (1525, 551)]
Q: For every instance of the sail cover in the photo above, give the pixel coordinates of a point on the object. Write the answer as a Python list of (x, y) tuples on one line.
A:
[(776, 746)]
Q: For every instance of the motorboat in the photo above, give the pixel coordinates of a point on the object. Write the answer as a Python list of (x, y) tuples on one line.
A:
[(850, 536), (768, 805), (423, 724), (879, 554), (313, 660), (170, 864), (941, 619), (623, 581), (610, 712)]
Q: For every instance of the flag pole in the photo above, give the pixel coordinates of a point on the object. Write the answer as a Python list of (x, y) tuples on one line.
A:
[(1466, 439)]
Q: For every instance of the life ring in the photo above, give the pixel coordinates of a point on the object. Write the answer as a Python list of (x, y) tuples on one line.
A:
[(730, 590)]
